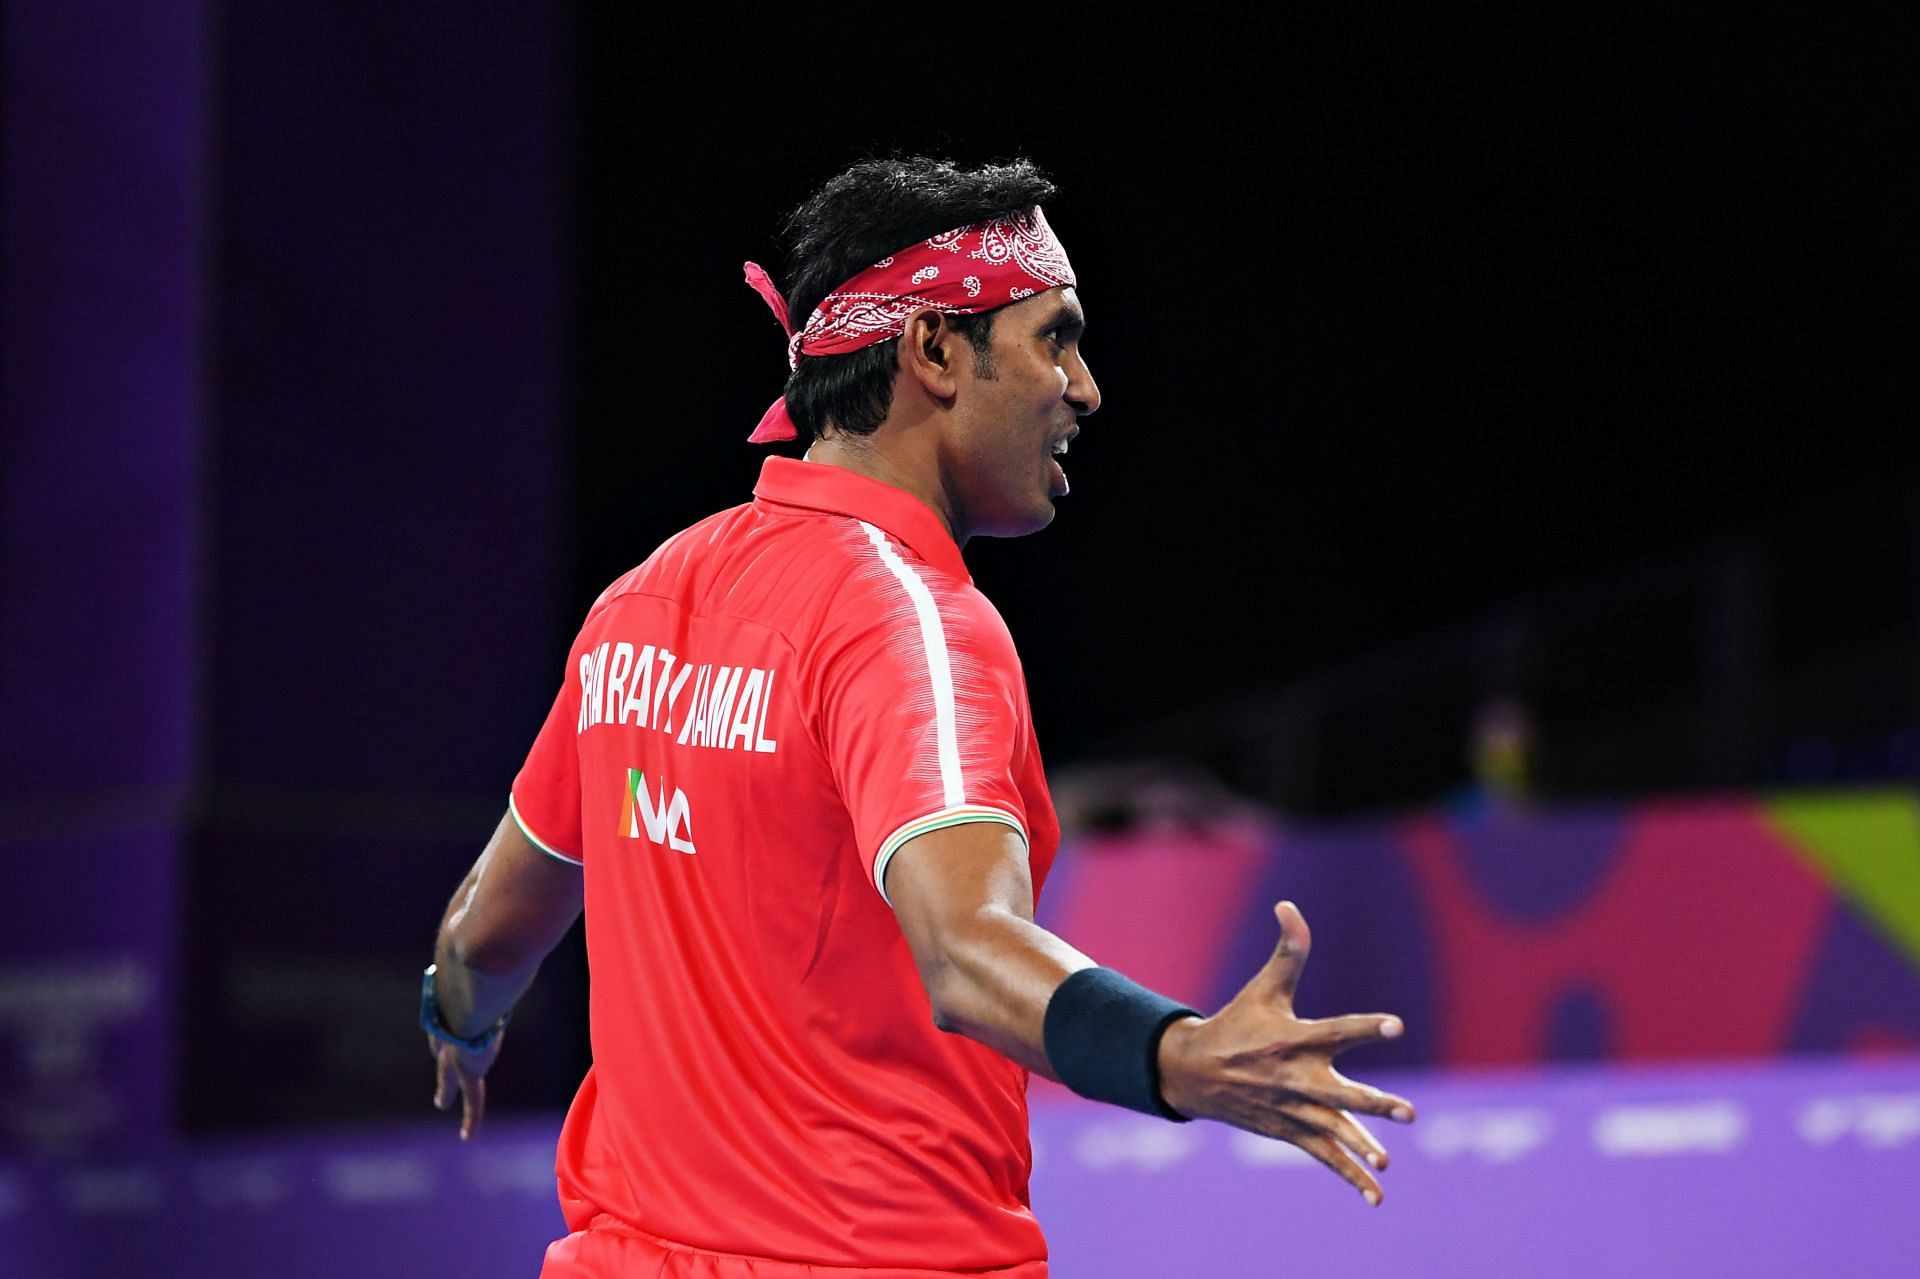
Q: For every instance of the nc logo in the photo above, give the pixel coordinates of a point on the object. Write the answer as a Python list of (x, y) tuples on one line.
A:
[(667, 822)]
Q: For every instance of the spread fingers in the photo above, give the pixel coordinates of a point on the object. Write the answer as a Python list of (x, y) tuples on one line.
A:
[(1335, 1156), (1342, 1093), (1337, 1034)]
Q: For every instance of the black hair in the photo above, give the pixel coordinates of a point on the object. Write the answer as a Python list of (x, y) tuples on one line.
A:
[(877, 207)]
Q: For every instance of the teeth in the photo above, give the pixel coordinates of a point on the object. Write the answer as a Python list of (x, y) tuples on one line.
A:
[(1060, 449)]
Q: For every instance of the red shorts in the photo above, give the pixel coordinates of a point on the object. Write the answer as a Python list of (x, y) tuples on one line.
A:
[(620, 1252)]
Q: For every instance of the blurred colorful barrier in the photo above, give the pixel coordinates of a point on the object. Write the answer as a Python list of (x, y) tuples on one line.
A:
[(1676, 930), (1722, 928)]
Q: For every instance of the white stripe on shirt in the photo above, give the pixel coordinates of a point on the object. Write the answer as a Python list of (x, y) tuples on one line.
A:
[(933, 639)]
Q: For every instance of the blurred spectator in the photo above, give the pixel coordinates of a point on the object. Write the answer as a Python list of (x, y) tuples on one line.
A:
[(1502, 745), (1158, 795)]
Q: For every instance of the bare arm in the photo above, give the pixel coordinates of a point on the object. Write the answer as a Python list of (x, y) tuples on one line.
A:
[(508, 914), (964, 899)]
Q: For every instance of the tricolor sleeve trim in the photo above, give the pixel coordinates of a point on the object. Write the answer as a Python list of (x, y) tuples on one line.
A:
[(946, 817), (513, 811)]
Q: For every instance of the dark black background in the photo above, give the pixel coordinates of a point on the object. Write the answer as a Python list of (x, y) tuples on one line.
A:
[(1394, 323)]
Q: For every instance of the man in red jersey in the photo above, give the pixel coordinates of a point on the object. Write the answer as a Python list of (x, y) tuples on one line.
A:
[(791, 775)]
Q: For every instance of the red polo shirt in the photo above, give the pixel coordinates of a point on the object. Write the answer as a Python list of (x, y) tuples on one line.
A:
[(754, 721)]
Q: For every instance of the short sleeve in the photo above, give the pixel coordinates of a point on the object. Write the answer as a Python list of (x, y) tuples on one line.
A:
[(922, 709), (545, 802)]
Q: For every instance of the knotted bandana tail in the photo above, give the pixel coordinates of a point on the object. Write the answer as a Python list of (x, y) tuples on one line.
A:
[(763, 285), (775, 424)]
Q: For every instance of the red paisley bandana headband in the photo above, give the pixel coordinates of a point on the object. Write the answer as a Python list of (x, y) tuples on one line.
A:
[(980, 267)]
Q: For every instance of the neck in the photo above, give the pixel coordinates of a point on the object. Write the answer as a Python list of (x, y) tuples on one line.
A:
[(885, 456)]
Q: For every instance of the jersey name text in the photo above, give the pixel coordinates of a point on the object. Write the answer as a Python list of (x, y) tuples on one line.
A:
[(726, 708)]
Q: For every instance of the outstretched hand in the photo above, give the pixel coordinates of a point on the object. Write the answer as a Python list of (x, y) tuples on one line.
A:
[(455, 1068), (1257, 1066)]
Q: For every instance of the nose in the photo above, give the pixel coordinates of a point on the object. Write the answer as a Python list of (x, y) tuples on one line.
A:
[(1082, 391)]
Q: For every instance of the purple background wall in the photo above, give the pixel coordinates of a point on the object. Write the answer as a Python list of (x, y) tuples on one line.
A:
[(383, 632), (279, 538), (102, 396)]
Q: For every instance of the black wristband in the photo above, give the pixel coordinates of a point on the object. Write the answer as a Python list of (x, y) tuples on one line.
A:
[(1102, 1035), (431, 1023)]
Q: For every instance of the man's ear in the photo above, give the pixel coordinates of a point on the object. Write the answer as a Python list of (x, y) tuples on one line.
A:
[(929, 353)]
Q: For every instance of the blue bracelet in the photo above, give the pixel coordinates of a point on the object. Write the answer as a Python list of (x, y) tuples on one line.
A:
[(1102, 1035)]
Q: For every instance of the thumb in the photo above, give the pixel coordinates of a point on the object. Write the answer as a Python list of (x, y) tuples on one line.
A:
[(1280, 976)]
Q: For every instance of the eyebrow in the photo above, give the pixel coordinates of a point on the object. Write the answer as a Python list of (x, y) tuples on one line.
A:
[(1066, 316)]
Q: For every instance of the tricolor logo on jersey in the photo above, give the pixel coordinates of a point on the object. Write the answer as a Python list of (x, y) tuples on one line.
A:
[(668, 822)]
